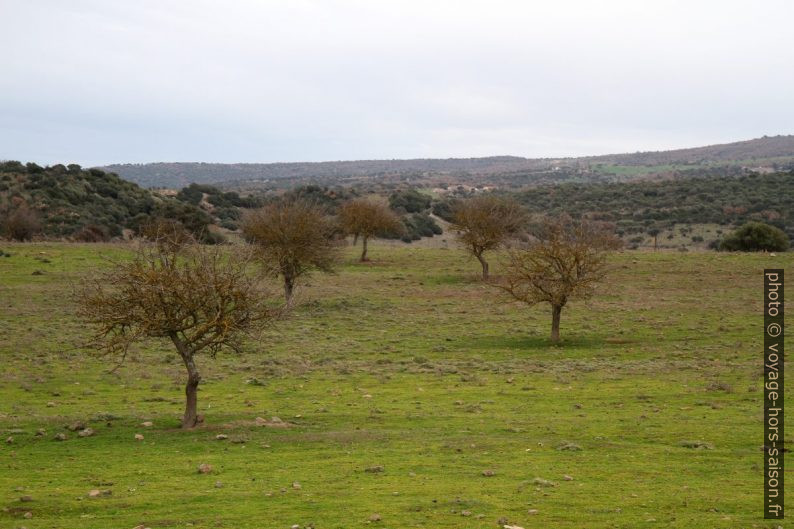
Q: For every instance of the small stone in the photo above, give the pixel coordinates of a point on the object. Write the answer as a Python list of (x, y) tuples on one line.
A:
[(76, 426), (260, 421), (221, 437), (512, 527), (218, 485), (138, 437), (465, 513), (50, 404), (276, 419), (88, 432), (147, 424), (26, 498), (41, 432), (374, 469), (367, 396), (375, 517), (9, 440), (94, 493), (540, 482), (532, 511), (296, 485), (204, 468), (60, 437), (28, 515), (566, 477), (296, 526), (488, 473)]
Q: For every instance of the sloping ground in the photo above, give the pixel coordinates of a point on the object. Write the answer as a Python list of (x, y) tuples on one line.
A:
[(67, 201), (759, 148)]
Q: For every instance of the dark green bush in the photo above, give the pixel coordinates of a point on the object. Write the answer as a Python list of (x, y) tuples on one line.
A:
[(756, 237)]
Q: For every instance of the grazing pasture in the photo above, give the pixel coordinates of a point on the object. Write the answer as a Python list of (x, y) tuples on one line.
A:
[(400, 393)]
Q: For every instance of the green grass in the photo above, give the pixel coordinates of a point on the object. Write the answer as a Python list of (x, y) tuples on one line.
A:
[(411, 364)]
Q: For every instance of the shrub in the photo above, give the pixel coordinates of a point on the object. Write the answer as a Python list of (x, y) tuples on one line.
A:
[(756, 237), (22, 224)]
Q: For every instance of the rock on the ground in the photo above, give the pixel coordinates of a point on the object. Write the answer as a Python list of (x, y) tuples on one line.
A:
[(204, 468), (221, 437), (488, 473), (147, 424), (88, 432), (60, 437), (375, 517), (138, 437)]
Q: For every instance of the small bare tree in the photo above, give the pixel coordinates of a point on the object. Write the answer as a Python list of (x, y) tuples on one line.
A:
[(486, 222), (293, 238), (199, 298), (365, 218), (566, 261)]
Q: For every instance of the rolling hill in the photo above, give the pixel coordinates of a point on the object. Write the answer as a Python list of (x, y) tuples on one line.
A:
[(769, 152)]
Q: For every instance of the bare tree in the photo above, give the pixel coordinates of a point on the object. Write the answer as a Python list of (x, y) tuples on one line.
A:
[(486, 222), (199, 298), (293, 238), (654, 232), (565, 261), (22, 223), (366, 218), (170, 234)]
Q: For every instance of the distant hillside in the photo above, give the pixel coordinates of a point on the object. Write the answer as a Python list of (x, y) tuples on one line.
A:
[(60, 201), (503, 171), (174, 175), (759, 149)]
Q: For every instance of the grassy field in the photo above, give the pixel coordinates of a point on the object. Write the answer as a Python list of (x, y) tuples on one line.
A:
[(414, 397)]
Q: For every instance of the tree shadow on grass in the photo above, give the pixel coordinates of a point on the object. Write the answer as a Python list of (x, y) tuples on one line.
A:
[(529, 342)]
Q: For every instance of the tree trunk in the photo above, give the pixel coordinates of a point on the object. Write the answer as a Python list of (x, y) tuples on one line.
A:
[(654, 242), (364, 248), (190, 419), (289, 288), (355, 239), (556, 310), (484, 263)]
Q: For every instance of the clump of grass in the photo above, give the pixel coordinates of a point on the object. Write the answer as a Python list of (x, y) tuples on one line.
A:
[(567, 446), (540, 482)]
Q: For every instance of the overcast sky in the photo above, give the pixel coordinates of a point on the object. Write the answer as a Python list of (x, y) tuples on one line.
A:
[(107, 81)]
